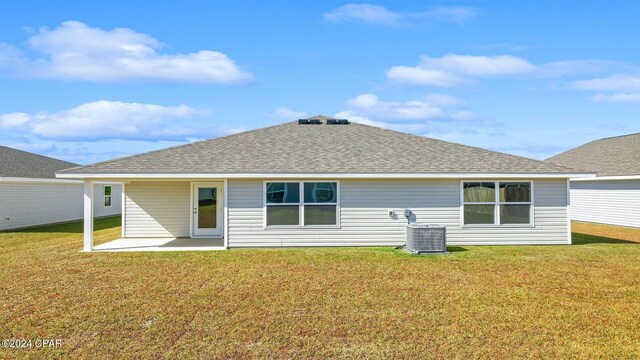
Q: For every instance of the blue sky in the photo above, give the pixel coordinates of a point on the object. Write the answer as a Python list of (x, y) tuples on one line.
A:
[(89, 81)]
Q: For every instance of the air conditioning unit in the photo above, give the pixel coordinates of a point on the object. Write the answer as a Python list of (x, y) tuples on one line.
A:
[(426, 239)]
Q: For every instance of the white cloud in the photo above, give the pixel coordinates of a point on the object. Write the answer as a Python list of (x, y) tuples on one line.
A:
[(363, 13), (368, 108), (10, 56), (452, 69), (478, 65), (534, 150), (504, 46), (90, 152), (579, 67), (364, 101), (225, 130), (38, 147), (288, 114), (421, 76), (438, 115), (444, 100), (448, 132), (79, 52), (617, 98), (348, 114), (13, 120), (368, 105), (375, 14), (624, 82), (455, 14), (109, 120), (465, 115)]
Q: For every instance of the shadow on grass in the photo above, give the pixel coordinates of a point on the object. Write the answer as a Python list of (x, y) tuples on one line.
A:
[(456, 249), (584, 239), (450, 250), (75, 227)]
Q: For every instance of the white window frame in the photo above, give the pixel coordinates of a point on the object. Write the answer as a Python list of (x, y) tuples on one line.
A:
[(496, 204), (301, 203), (104, 196)]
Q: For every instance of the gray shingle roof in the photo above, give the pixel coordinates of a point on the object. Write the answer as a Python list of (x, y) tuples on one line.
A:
[(294, 148), (614, 156), (22, 164)]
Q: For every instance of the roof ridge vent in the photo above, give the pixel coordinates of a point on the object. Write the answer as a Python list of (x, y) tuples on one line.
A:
[(309, 122), (337, 122)]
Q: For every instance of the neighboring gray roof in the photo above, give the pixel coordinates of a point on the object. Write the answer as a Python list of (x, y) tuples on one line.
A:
[(22, 164), (614, 156), (294, 148)]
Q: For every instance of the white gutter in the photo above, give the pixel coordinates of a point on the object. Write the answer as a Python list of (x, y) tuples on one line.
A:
[(40, 181), (327, 176), (605, 178)]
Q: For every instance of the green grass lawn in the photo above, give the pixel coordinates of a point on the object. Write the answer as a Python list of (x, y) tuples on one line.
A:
[(579, 301)]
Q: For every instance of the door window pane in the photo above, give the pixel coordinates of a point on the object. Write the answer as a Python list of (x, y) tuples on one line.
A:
[(479, 214), (320, 192), (515, 214), (283, 215), (283, 193), (207, 208), (320, 215), (479, 192), (515, 192)]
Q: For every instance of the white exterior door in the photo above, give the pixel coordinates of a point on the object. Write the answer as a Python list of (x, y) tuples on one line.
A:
[(207, 208)]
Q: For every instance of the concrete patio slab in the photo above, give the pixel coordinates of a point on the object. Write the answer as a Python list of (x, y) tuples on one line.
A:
[(160, 244)]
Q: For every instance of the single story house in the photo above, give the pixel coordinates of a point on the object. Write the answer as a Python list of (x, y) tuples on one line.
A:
[(328, 182), (31, 195), (613, 196)]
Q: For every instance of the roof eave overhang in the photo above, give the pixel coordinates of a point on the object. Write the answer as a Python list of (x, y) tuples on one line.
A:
[(324, 175)]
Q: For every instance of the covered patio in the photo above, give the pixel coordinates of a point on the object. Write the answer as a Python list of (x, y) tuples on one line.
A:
[(198, 229), (160, 244)]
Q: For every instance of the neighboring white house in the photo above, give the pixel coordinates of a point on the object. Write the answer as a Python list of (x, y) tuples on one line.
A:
[(30, 194), (325, 182), (613, 197)]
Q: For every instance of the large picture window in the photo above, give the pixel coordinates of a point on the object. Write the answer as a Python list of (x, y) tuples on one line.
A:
[(301, 203), (497, 202)]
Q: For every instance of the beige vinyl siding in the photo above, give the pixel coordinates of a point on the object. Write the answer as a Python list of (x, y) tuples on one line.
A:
[(364, 206), (24, 204), (615, 202), (157, 209)]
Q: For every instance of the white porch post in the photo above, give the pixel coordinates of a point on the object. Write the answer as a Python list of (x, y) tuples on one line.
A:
[(88, 215)]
